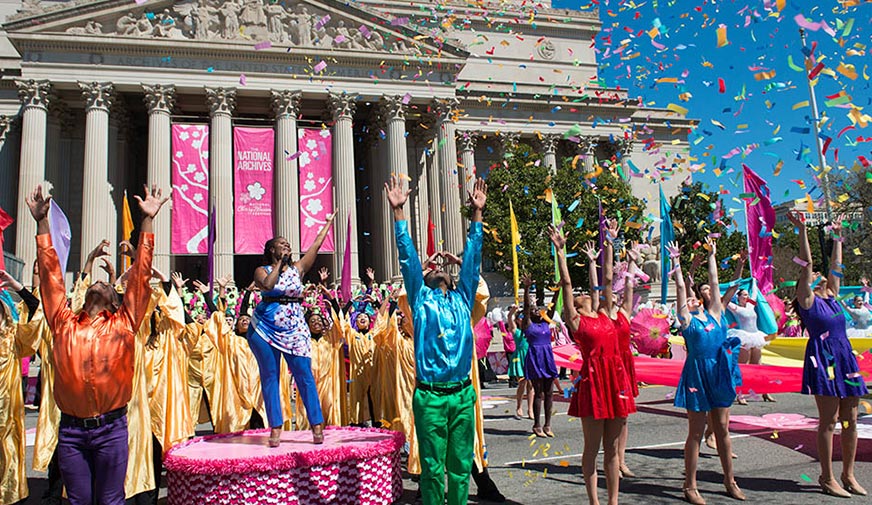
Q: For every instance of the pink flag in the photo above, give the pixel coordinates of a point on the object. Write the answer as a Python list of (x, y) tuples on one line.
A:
[(253, 151), (761, 221), (190, 178), (345, 287), (316, 186)]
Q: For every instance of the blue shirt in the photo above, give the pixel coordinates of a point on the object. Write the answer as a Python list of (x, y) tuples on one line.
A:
[(443, 326)]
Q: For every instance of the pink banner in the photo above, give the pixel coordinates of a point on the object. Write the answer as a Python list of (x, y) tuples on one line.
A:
[(190, 179), (253, 151), (315, 158), (761, 221)]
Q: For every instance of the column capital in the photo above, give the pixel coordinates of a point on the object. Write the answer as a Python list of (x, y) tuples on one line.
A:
[(97, 95), (549, 142), (508, 140), (286, 103), (625, 146), (341, 105), (391, 107), (467, 140), (445, 109), (33, 93), (159, 98), (221, 101), (5, 126), (587, 144)]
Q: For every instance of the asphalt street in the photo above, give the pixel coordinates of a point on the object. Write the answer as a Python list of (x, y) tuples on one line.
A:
[(774, 442)]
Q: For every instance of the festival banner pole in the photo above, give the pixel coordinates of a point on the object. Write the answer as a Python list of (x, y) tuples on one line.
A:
[(516, 241)]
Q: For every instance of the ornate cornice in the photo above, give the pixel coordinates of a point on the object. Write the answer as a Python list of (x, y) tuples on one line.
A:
[(33, 93), (286, 103), (341, 105), (392, 108), (98, 95), (159, 98), (221, 100)]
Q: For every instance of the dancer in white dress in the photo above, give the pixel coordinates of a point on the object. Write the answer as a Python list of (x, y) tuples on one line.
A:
[(861, 316), (753, 340)]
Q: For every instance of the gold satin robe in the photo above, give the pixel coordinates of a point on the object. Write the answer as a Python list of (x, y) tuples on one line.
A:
[(361, 363), (48, 423), (167, 360), (14, 345), (140, 469), (328, 367), (201, 372)]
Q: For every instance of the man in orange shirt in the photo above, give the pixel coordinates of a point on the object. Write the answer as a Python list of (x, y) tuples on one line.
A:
[(93, 361)]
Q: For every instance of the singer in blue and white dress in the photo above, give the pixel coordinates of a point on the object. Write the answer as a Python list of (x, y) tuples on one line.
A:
[(861, 316), (746, 317), (278, 329)]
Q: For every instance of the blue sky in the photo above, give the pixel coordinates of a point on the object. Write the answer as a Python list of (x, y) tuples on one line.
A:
[(759, 118)]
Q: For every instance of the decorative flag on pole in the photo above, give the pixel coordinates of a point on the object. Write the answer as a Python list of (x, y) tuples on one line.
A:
[(761, 220), (602, 242), (556, 219), (61, 236), (516, 242), (431, 236), (667, 234), (210, 252), (5, 221), (126, 229), (345, 286)]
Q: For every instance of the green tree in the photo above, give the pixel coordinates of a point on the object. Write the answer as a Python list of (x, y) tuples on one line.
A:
[(523, 181), (697, 214)]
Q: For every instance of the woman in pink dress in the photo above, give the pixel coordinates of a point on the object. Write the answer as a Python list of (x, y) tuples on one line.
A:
[(603, 398)]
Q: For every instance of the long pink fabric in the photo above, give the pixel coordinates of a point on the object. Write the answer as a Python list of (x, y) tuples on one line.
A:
[(316, 186), (190, 179), (761, 221), (253, 151)]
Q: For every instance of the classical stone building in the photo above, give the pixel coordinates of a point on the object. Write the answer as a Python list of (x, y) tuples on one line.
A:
[(431, 91)]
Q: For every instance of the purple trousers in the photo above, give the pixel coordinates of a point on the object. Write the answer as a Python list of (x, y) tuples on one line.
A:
[(93, 462)]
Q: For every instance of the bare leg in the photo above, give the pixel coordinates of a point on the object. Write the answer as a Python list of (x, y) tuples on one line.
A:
[(695, 429), (828, 412), (756, 359), (548, 405), (519, 396), (848, 420), (593, 434), (721, 418), (611, 435), (529, 399), (744, 357)]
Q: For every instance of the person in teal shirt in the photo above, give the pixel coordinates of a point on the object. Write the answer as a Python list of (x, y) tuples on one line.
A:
[(444, 400)]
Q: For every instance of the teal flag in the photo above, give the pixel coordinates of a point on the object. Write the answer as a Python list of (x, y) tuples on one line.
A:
[(667, 234)]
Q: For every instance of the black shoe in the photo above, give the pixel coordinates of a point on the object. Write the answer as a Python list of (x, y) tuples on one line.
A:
[(492, 495)]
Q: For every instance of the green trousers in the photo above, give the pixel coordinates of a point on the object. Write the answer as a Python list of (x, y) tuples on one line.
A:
[(445, 425)]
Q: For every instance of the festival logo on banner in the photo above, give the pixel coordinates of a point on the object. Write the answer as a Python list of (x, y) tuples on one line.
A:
[(190, 179), (316, 186), (253, 151)]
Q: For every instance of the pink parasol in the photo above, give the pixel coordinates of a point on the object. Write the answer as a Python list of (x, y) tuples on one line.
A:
[(649, 331), (777, 305)]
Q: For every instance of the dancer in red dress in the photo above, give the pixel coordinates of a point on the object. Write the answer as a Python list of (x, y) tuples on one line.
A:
[(603, 398)]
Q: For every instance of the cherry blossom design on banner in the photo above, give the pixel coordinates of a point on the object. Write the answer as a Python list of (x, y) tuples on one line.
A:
[(316, 186), (190, 179), (253, 151)]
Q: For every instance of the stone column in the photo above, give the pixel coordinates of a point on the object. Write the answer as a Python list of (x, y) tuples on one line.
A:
[(587, 149), (342, 107), (35, 98), (286, 107), (222, 102), (419, 184), (96, 190), (625, 148), (393, 114), (6, 174), (453, 232), (467, 140), (508, 141), (381, 219), (160, 100), (434, 192), (549, 143)]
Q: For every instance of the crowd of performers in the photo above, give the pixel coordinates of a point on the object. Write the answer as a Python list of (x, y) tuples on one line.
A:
[(130, 367)]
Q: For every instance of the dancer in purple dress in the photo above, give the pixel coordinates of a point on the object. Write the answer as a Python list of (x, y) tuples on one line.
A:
[(539, 367), (830, 372)]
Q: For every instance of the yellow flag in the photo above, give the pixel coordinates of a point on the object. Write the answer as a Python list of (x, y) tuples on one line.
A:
[(516, 241), (126, 228)]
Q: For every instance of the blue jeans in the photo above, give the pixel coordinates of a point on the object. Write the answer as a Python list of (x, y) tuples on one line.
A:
[(269, 362), (93, 462)]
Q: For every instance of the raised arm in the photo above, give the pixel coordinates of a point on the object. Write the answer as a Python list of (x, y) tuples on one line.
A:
[(410, 264), (470, 270), (716, 308), (592, 254), (307, 260), (138, 293), (609, 266), (630, 281), (834, 276), (52, 288), (510, 324), (680, 288), (804, 293), (734, 286), (570, 315), (527, 281)]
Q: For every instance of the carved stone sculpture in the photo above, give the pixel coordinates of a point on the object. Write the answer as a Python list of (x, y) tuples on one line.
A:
[(650, 257)]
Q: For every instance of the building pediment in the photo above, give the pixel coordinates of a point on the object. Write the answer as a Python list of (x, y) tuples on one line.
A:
[(310, 25)]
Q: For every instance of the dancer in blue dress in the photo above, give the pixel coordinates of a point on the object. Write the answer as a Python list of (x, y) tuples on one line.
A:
[(709, 377), (539, 367), (278, 328), (830, 372)]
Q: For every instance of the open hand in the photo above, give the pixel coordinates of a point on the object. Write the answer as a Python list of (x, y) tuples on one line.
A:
[(633, 252), (323, 274), (526, 280), (478, 196), (224, 281), (201, 287), (179, 280), (557, 238), (9, 282), (153, 201), (107, 267), (590, 251), (612, 229), (712, 246), (38, 204), (397, 196), (127, 249), (838, 223), (796, 219), (673, 250), (370, 274), (99, 251)]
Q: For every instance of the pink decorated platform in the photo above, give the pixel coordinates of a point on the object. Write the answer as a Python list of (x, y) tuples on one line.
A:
[(353, 466)]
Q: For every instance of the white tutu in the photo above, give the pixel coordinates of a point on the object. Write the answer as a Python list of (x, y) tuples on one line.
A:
[(749, 339), (858, 333)]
